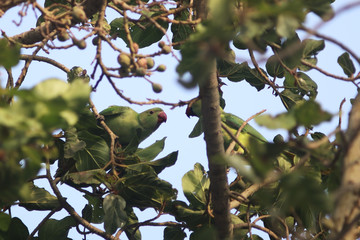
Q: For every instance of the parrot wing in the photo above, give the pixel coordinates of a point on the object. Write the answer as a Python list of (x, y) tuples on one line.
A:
[(235, 122), (115, 110)]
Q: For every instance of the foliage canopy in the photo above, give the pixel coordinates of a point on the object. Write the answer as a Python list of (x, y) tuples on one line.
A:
[(290, 184)]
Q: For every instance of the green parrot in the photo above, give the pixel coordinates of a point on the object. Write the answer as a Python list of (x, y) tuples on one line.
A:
[(247, 136), (85, 140), (125, 122)]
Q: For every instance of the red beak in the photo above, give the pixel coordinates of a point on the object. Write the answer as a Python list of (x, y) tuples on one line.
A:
[(162, 117)]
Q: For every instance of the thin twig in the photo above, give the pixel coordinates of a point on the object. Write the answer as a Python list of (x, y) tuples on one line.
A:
[(232, 144), (264, 229), (352, 79), (330, 39), (258, 69), (71, 210), (43, 222), (108, 130)]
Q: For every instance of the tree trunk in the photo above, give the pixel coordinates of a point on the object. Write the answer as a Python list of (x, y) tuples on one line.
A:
[(347, 212), (219, 189)]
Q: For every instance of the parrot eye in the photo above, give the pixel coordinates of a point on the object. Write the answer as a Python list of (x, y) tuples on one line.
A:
[(151, 112)]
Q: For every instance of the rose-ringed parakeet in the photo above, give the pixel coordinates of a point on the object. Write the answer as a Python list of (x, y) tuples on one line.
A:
[(126, 123), (86, 141), (247, 136)]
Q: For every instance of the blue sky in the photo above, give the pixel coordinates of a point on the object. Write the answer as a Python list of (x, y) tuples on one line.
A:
[(241, 99)]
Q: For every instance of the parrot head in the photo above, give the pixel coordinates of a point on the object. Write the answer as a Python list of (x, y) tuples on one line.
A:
[(152, 118), (194, 108)]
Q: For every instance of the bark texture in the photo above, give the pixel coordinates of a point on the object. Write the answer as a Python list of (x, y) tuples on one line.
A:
[(347, 212), (219, 188)]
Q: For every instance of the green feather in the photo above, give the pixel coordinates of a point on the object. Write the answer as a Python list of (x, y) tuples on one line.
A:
[(233, 123), (126, 123)]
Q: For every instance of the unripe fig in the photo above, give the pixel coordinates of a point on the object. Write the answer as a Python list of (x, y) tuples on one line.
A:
[(95, 41), (81, 44), (79, 14), (124, 60), (161, 44), (136, 47), (124, 72), (63, 35), (156, 87), (166, 49), (161, 68), (142, 62), (278, 139), (140, 72), (150, 62)]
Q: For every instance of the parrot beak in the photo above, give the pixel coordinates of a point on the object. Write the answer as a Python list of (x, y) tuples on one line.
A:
[(162, 117), (189, 112)]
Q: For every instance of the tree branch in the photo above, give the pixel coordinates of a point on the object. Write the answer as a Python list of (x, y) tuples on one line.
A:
[(39, 33), (44, 59), (7, 4)]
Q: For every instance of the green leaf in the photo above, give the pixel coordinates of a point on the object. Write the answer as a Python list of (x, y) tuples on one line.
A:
[(95, 155), (233, 71), (17, 230), (239, 233), (207, 232), (51, 89), (96, 204), (290, 99), (274, 68), (312, 60), (237, 72), (197, 130), (115, 217), (148, 33), (303, 192), (141, 187), (149, 153), (183, 213), (194, 62), (162, 163), (312, 47), (39, 199), (72, 144), (195, 184), (286, 25), (9, 54), (310, 113), (284, 120), (241, 166), (255, 79), (174, 233), (307, 113), (291, 52), (118, 28), (56, 229), (322, 8), (181, 32), (132, 219), (5, 221), (85, 178), (346, 64), (87, 212)]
